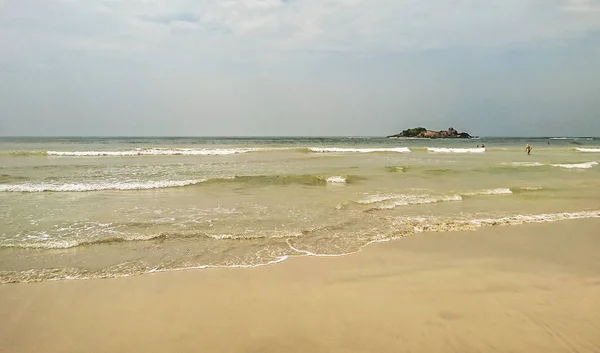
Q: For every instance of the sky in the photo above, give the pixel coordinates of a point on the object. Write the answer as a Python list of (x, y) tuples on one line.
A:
[(299, 67)]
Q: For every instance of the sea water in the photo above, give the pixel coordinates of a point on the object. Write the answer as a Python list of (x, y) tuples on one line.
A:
[(75, 208)]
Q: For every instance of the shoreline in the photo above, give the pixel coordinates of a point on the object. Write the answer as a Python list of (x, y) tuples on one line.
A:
[(525, 288), (473, 225)]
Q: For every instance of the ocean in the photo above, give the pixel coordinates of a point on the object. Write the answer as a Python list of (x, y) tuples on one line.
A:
[(79, 208)]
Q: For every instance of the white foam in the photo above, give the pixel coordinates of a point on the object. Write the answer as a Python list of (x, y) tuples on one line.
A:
[(588, 150), (231, 237), (336, 179), (536, 218), (586, 165), (391, 201), (376, 198), (79, 187), (309, 253), (455, 150), (250, 234), (418, 201), (420, 225), (202, 267), (158, 152), (358, 150), (527, 164), (200, 152), (500, 191), (512, 220), (433, 224), (92, 153)]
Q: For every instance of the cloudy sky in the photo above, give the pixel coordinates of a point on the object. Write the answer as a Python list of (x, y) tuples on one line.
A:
[(299, 67)]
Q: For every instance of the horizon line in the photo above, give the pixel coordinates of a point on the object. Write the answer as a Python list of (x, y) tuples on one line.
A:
[(275, 136)]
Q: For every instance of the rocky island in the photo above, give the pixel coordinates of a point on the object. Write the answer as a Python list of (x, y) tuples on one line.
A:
[(421, 132)]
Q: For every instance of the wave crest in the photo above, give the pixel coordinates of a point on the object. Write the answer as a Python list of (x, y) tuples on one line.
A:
[(50, 242), (337, 179), (79, 187), (586, 165), (527, 164), (455, 150), (158, 152), (390, 201), (358, 150), (307, 179), (441, 225), (301, 179), (499, 191)]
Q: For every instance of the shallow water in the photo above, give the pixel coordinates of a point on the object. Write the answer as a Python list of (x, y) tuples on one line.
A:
[(108, 207)]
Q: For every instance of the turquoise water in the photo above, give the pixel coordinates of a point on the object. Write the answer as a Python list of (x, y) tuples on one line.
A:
[(106, 207)]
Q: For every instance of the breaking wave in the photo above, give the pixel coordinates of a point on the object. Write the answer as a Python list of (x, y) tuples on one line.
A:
[(357, 150), (572, 138), (588, 150), (112, 236), (158, 152), (79, 187), (200, 151), (302, 179), (390, 201), (442, 225), (259, 180), (527, 164), (586, 165), (500, 191), (143, 152), (455, 150), (337, 179), (521, 189)]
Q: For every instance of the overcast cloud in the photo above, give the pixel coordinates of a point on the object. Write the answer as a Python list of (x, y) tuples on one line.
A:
[(299, 67)]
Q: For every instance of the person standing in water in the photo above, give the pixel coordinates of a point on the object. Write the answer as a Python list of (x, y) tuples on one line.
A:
[(528, 149)]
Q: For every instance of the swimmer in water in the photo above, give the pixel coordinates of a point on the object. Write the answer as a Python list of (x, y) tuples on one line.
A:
[(528, 149)]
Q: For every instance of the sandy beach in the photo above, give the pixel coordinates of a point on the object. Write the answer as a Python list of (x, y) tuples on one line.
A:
[(529, 288)]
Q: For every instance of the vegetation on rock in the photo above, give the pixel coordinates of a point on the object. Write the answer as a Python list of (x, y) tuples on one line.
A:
[(421, 132)]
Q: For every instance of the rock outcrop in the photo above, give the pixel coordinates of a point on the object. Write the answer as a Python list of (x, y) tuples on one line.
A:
[(422, 132)]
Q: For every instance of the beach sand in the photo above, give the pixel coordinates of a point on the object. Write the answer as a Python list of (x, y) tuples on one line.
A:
[(529, 288)]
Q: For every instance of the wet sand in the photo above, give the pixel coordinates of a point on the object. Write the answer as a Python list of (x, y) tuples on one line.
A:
[(529, 288)]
